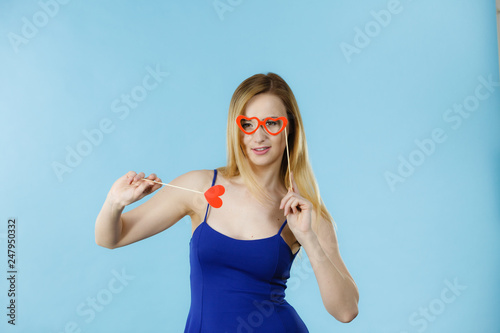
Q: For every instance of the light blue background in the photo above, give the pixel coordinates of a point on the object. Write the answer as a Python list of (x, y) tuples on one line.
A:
[(401, 246)]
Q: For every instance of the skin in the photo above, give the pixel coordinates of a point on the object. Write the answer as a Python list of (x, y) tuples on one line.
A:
[(338, 291), (265, 167), (115, 229)]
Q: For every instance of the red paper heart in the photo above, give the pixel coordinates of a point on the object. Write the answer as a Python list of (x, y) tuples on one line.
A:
[(212, 195)]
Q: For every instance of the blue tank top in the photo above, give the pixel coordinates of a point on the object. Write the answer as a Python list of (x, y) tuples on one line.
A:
[(239, 285)]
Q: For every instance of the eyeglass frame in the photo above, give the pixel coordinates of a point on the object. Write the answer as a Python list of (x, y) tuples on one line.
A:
[(261, 122)]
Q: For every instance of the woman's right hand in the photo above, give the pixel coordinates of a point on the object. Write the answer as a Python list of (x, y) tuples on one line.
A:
[(131, 187)]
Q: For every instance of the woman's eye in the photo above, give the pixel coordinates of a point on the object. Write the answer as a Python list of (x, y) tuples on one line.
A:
[(271, 123)]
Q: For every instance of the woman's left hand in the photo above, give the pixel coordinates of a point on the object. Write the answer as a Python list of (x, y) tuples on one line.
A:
[(299, 211)]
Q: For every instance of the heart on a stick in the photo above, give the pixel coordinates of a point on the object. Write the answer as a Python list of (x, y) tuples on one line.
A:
[(212, 195)]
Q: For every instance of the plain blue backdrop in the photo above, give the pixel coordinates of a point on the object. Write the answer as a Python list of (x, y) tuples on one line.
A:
[(401, 123)]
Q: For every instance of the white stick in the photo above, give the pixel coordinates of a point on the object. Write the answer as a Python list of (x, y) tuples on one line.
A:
[(288, 156), (173, 186)]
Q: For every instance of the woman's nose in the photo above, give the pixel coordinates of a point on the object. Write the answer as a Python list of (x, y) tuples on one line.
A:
[(261, 132)]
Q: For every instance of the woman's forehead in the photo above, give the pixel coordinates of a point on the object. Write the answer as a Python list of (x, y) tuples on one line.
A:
[(265, 105)]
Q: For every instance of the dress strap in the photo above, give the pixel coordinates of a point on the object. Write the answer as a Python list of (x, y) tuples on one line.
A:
[(282, 226), (213, 182)]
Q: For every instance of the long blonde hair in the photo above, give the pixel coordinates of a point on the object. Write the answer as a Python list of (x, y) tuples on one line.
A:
[(299, 161)]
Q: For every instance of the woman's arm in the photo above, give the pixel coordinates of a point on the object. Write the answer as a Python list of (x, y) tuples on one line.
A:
[(337, 287), (114, 229), (338, 291), (108, 226)]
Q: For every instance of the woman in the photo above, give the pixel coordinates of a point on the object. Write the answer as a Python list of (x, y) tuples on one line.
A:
[(242, 252)]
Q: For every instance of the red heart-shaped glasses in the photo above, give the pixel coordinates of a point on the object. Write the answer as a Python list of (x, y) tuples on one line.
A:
[(273, 126)]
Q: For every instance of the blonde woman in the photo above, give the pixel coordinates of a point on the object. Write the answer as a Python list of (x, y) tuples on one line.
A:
[(241, 253)]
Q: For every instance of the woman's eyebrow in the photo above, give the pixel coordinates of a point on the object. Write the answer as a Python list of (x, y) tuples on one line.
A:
[(265, 117)]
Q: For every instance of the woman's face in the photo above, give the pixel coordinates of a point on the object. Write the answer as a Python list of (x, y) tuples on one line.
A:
[(262, 106)]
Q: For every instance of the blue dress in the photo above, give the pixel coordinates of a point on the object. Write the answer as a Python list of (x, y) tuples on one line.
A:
[(239, 285)]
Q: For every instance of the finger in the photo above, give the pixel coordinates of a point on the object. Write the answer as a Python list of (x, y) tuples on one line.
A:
[(287, 206), (150, 177), (295, 205), (290, 207), (285, 199), (157, 186), (159, 181), (139, 176), (151, 185), (144, 186), (289, 196), (130, 176), (154, 186)]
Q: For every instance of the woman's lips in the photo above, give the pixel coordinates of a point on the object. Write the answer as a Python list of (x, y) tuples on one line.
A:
[(261, 152)]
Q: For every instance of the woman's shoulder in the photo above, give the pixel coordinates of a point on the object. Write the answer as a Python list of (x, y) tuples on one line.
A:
[(197, 179)]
